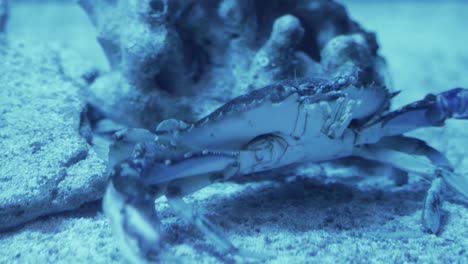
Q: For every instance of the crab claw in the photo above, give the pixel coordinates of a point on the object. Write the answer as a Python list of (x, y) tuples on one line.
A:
[(455, 102), (124, 143), (129, 206)]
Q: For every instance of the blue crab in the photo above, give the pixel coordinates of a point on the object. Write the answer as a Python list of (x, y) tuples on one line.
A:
[(287, 123)]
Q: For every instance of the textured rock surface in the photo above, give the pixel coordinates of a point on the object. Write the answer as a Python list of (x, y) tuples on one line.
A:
[(45, 164), (182, 59)]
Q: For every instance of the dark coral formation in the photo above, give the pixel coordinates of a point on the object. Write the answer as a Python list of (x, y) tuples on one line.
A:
[(181, 59)]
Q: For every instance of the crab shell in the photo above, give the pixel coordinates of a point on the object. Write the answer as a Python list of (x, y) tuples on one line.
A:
[(277, 109)]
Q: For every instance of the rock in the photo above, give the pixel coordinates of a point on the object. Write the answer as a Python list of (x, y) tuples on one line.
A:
[(351, 54), (115, 96), (80, 235), (46, 166), (277, 57), (180, 59)]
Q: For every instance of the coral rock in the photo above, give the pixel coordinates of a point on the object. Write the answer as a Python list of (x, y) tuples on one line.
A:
[(202, 53)]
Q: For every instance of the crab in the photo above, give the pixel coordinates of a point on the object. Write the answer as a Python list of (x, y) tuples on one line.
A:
[(278, 126)]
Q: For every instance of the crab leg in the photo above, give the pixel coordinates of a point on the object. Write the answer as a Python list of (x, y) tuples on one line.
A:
[(129, 206), (175, 192), (418, 147), (124, 144), (177, 189), (177, 179), (413, 155), (137, 182), (430, 111)]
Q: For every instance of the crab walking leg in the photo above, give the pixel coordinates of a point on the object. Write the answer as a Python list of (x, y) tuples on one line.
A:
[(415, 156), (136, 183), (129, 206), (431, 214), (459, 182), (211, 231), (185, 175), (177, 189), (433, 202), (430, 111), (415, 146)]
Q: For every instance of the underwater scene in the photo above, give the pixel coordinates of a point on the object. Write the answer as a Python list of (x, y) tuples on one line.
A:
[(233, 131)]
